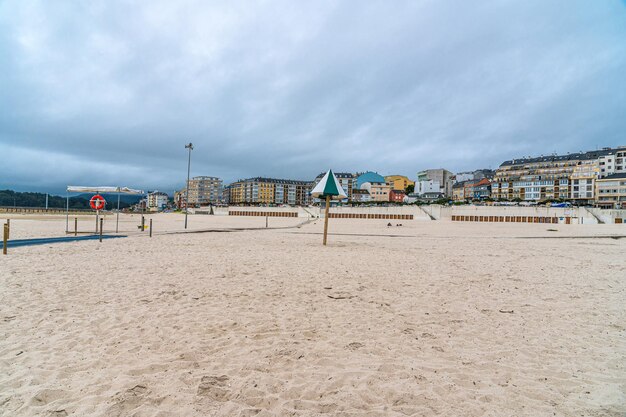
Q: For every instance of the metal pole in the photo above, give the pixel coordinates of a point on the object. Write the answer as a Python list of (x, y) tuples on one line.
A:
[(150, 227), (97, 217), (266, 222), (101, 229), (326, 218), (67, 211), (46, 201), (5, 238), (190, 147), (117, 220)]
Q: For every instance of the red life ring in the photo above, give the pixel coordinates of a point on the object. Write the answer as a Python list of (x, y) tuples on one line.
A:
[(97, 202)]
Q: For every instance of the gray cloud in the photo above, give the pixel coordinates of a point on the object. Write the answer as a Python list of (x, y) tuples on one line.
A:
[(109, 92)]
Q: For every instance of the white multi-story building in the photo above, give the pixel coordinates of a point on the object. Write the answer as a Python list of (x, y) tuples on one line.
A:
[(430, 187), (612, 163), (157, 201), (430, 179)]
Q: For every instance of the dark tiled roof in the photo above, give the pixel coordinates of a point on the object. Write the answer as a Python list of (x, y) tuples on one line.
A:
[(556, 158), (338, 175), (276, 181), (461, 184), (613, 177)]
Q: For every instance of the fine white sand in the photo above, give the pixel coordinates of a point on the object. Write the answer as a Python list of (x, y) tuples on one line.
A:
[(426, 319)]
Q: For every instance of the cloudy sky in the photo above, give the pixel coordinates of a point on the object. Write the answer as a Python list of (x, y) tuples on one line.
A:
[(108, 92)]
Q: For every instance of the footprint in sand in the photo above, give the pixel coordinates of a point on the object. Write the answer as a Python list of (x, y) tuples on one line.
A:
[(46, 396), (128, 401), (214, 387), (354, 346)]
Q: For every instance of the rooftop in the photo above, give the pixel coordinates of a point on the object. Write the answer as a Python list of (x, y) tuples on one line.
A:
[(613, 177), (569, 157), (275, 181), (337, 174)]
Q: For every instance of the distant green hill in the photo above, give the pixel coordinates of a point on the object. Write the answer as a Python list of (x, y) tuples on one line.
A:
[(10, 198), (125, 199)]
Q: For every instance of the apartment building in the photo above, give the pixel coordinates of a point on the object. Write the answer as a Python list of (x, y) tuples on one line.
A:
[(613, 162), (481, 190), (260, 190), (428, 180), (379, 191), (468, 189), (361, 196), (476, 175), (396, 196), (611, 191), (583, 180), (179, 199), (458, 191), (204, 190), (570, 176), (398, 182), (157, 200), (346, 179)]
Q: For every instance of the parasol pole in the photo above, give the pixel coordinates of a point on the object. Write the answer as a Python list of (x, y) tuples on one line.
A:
[(326, 218)]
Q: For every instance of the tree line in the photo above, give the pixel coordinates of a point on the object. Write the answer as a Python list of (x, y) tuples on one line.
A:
[(10, 198)]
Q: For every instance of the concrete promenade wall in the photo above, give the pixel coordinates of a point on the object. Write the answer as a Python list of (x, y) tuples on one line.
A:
[(577, 215), (305, 212), (417, 213), (223, 211)]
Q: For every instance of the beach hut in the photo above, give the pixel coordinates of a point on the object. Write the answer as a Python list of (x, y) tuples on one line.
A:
[(328, 189)]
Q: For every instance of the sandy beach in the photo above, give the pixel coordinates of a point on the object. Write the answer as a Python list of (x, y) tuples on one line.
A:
[(430, 318)]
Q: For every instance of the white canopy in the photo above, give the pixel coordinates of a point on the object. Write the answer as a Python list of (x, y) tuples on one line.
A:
[(329, 186), (103, 189)]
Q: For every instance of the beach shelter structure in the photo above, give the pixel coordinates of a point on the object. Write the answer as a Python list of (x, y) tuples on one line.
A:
[(328, 188), (98, 189)]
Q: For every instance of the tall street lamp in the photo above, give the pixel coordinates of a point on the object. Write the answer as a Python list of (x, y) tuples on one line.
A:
[(190, 147)]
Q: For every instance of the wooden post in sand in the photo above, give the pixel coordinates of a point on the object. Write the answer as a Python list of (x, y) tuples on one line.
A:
[(101, 229), (5, 238), (150, 227), (75, 226), (143, 223), (266, 222), (8, 228), (326, 218), (97, 217)]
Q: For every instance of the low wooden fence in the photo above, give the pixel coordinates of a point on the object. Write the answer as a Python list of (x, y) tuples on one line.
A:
[(370, 216), (508, 219), (264, 213)]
